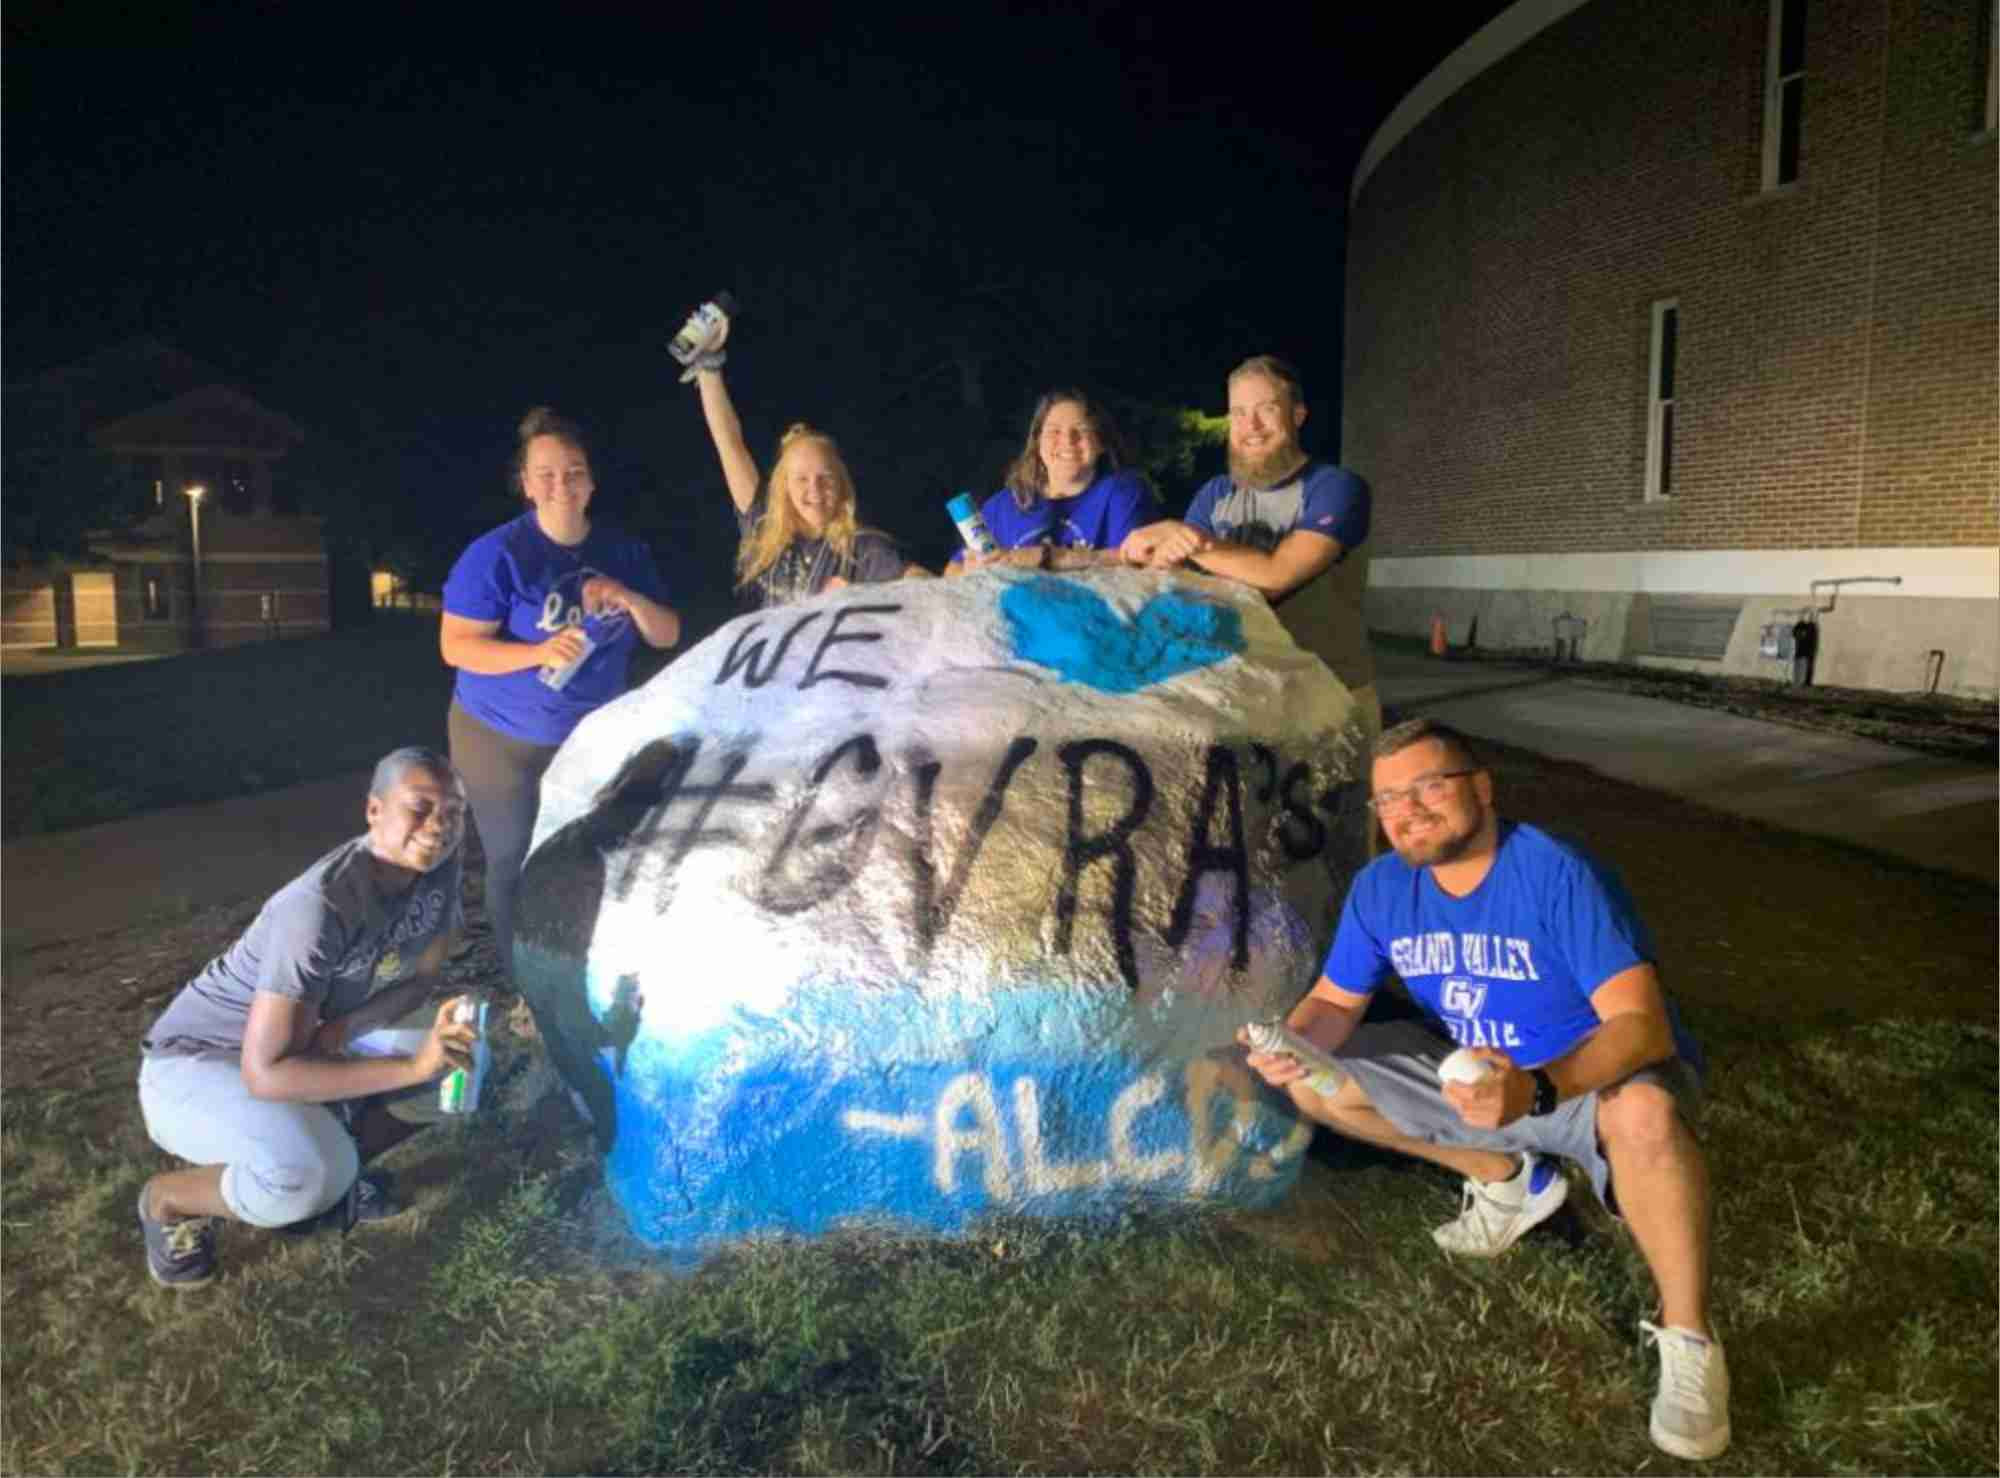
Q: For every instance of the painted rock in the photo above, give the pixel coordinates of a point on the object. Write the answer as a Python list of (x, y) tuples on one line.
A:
[(916, 903)]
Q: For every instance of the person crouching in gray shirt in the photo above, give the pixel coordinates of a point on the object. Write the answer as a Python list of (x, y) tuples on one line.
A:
[(244, 1071)]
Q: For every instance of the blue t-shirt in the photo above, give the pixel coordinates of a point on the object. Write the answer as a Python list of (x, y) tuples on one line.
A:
[(1328, 500), (519, 576), (1511, 965), (1099, 517)]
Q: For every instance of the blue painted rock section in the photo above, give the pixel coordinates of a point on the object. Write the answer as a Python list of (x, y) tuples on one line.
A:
[(917, 903)]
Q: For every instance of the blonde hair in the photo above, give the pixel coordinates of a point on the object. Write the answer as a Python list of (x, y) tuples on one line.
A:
[(772, 534), (1277, 371)]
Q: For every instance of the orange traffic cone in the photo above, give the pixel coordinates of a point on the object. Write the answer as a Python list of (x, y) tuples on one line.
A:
[(1438, 644)]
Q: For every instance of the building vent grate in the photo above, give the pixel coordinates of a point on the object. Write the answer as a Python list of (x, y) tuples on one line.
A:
[(1688, 628)]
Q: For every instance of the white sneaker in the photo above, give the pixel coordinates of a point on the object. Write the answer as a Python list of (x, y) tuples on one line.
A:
[(1691, 1411), (1495, 1216)]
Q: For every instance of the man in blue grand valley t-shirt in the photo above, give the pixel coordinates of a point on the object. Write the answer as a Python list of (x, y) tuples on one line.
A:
[(1525, 951)]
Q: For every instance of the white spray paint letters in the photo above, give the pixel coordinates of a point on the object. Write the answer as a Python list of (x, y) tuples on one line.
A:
[(967, 1122)]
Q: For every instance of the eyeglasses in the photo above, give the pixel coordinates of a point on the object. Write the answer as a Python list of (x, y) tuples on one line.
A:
[(1430, 789)]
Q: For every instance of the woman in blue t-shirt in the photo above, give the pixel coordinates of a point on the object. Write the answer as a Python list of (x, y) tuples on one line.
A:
[(1067, 504), (540, 618), (798, 533)]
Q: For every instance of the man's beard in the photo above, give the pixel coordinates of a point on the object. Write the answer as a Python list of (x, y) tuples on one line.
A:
[(1275, 467), (1437, 850)]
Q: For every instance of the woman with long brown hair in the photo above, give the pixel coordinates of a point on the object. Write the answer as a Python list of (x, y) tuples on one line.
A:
[(1068, 503)]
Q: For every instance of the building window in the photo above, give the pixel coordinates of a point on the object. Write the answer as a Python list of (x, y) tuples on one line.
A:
[(1784, 92), (1660, 400), (153, 591)]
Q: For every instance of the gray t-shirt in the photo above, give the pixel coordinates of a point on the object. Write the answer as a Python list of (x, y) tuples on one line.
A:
[(804, 566), (327, 938), (1324, 615)]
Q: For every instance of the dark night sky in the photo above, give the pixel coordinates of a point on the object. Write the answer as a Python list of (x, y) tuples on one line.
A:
[(416, 250)]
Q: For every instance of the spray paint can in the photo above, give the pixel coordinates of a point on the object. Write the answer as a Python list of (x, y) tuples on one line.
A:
[(971, 527), (458, 1090), (703, 328), (558, 677)]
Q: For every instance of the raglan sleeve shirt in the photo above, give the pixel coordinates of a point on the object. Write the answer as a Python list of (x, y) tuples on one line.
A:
[(1336, 504)]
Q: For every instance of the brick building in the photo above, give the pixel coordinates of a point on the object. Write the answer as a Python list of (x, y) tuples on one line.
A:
[(152, 423), (1661, 317)]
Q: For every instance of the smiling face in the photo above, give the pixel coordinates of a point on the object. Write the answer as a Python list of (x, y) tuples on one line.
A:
[(813, 484), (555, 477), (418, 821), (1069, 447), (1264, 423), (1431, 820)]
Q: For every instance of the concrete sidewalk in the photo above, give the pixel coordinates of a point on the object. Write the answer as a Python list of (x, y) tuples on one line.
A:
[(1935, 812)]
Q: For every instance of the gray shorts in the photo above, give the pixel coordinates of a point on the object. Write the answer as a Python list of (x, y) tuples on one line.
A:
[(1396, 1064)]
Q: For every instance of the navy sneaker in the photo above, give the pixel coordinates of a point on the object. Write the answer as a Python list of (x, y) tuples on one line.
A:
[(370, 1199), (179, 1254), (367, 1200)]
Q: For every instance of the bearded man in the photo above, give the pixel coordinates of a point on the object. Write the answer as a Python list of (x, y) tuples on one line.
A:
[(1529, 954), (1279, 521)]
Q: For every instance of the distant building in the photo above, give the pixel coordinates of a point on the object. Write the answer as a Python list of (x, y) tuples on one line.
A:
[(159, 423), (1660, 317)]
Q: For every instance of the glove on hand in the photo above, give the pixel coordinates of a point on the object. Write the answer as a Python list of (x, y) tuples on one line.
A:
[(713, 359)]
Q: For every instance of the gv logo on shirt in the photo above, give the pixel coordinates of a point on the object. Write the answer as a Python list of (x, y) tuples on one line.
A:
[(1463, 998)]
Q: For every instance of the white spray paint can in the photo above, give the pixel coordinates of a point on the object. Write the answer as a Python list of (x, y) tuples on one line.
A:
[(458, 1090)]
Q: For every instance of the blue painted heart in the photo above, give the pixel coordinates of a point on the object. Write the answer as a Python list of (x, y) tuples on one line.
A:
[(1066, 626)]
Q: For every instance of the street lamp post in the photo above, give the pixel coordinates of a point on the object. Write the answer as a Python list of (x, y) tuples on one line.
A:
[(194, 496)]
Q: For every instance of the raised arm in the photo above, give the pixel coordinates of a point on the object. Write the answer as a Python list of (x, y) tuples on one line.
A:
[(739, 468)]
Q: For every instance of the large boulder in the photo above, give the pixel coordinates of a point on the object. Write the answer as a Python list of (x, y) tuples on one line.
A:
[(919, 902)]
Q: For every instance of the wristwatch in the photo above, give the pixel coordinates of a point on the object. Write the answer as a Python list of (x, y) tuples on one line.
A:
[(1545, 1094)]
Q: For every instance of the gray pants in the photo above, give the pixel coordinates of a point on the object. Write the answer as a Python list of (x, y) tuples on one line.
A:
[(1396, 1063), (282, 1162), (503, 782)]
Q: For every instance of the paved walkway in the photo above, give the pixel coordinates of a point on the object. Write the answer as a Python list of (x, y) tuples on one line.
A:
[(1936, 812), (44, 661), (1939, 813)]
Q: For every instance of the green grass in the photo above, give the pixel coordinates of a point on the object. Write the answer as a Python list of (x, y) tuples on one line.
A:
[(506, 1327), (102, 743), (106, 742)]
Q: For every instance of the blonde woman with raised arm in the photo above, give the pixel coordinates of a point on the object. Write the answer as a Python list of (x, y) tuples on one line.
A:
[(799, 531)]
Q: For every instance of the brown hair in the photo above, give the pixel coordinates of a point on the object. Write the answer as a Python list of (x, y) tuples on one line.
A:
[(541, 421), (1399, 737), (1275, 369), (1027, 478), (772, 533)]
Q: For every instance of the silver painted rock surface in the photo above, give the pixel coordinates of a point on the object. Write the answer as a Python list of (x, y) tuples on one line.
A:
[(918, 902)]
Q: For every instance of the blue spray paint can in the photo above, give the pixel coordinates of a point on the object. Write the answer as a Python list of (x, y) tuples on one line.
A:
[(971, 527)]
